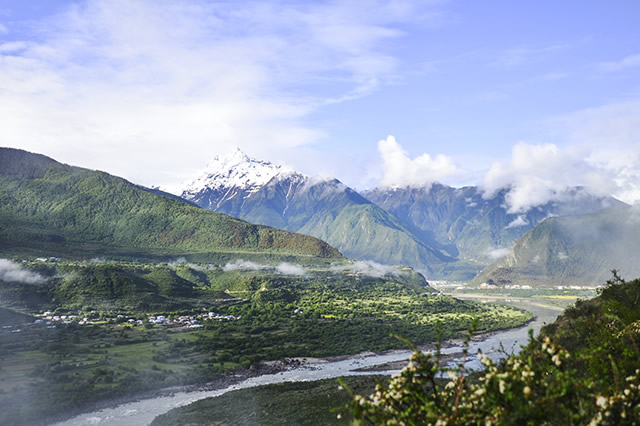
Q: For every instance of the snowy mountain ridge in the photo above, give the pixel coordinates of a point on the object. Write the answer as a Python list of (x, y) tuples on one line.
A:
[(235, 171)]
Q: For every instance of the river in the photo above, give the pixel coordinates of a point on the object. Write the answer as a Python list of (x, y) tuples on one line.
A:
[(144, 411)]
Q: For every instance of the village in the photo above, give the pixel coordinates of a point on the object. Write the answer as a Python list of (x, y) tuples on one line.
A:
[(51, 320)]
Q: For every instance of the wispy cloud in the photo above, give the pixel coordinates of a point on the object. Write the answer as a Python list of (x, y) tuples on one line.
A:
[(517, 222), (368, 268), (631, 61), (290, 269), (526, 54), (13, 272), (283, 268), (244, 265), (161, 80), (497, 253)]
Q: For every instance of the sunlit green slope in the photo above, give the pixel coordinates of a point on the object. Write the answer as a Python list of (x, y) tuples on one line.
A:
[(48, 207)]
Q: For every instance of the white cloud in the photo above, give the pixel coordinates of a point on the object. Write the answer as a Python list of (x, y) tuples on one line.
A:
[(518, 221), (290, 269), (114, 85), (177, 262), (283, 268), (244, 265), (497, 253), (537, 174), (610, 137), (401, 170), (368, 268), (631, 61), (13, 272)]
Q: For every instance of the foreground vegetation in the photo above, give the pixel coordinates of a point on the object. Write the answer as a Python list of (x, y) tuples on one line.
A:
[(112, 344), (582, 369)]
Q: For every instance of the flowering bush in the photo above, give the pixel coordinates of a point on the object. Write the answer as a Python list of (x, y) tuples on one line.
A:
[(537, 387)]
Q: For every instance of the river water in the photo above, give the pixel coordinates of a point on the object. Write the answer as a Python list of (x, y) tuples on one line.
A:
[(144, 411)]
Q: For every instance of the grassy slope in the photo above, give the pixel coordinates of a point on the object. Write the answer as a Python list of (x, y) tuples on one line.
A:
[(366, 231), (51, 206), (10, 317)]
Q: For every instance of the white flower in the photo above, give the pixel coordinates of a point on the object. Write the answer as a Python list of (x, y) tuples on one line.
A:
[(602, 402), (502, 385), (526, 391)]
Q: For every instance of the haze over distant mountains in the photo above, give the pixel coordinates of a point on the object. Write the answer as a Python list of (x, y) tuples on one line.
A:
[(575, 250), (446, 232)]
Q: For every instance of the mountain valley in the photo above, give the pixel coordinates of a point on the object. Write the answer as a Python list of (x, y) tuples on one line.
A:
[(446, 233)]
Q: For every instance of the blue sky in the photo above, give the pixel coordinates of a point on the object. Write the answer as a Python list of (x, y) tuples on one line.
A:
[(536, 96)]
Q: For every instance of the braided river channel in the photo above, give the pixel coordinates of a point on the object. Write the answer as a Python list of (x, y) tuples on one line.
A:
[(143, 411)]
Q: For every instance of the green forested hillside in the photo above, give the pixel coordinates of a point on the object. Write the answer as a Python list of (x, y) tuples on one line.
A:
[(53, 208), (365, 228), (572, 250), (583, 369)]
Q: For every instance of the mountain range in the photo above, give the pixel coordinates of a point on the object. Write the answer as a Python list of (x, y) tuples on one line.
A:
[(264, 193), (49, 208), (446, 232)]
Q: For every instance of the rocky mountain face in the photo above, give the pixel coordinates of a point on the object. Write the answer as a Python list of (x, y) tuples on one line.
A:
[(264, 193)]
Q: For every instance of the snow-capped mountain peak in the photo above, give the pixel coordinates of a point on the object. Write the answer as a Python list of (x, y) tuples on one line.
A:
[(235, 170)]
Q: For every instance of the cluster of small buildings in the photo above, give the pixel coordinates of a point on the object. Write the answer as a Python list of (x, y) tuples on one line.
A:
[(574, 287), (193, 321), (51, 320)]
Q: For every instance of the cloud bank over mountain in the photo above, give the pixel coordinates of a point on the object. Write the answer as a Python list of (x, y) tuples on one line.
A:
[(534, 175), (400, 170)]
